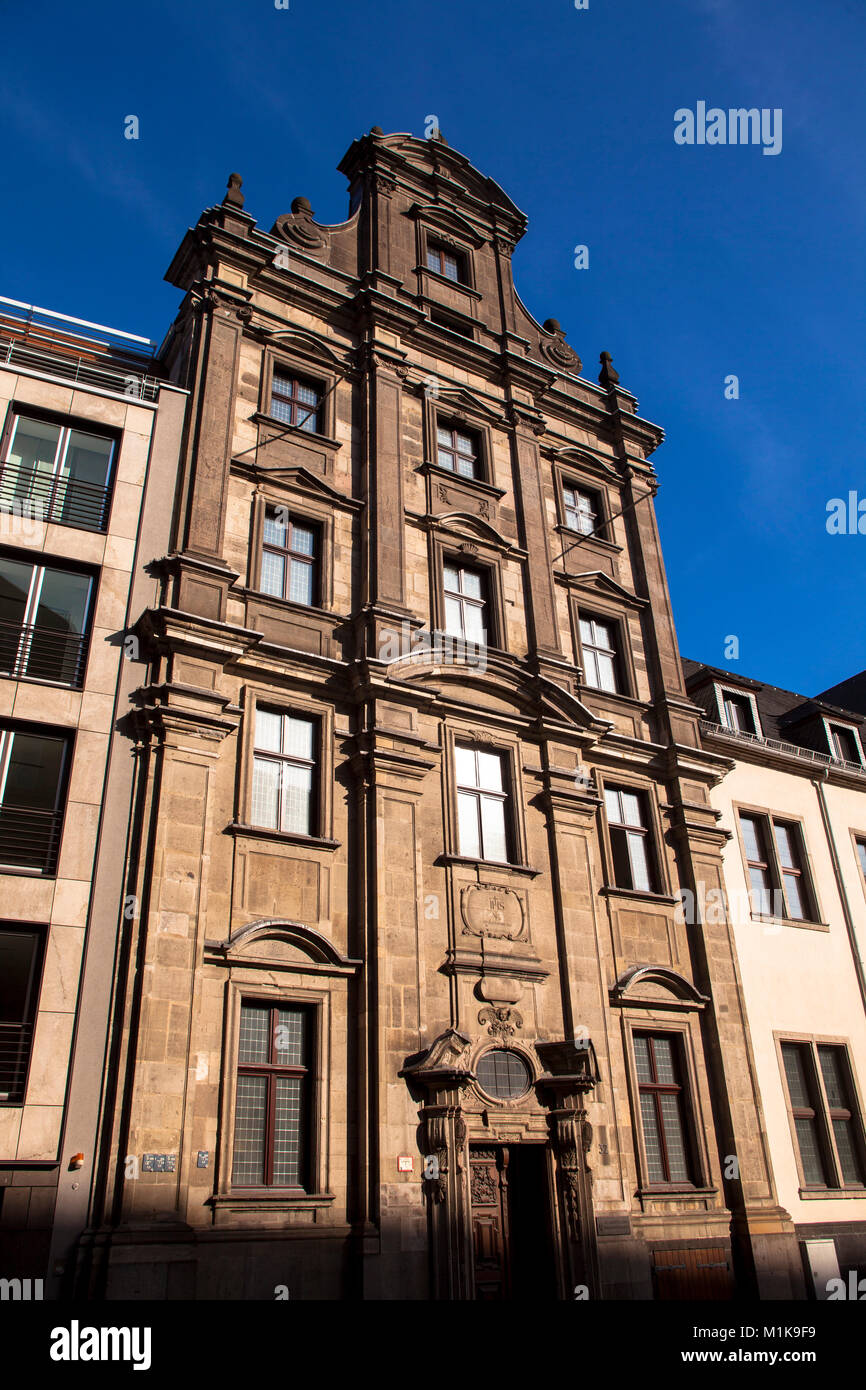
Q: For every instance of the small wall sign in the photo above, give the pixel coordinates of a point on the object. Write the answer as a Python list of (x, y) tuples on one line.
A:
[(405, 1163)]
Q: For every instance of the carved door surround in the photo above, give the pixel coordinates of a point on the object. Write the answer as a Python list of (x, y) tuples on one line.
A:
[(453, 1111)]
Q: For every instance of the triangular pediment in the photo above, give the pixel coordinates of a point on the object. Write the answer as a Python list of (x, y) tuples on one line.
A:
[(302, 480), (597, 582), (462, 401)]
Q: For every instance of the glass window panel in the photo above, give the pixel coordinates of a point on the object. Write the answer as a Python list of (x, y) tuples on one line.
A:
[(446, 460), (298, 737), (592, 676), (303, 540), (281, 385), (490, 771), (794, 897), (785, 846), (466, 766), (611, 804), (287, 1132), (88, 458), (631, 809), (761, 902), (268, 730), (637, 856), (454, 616), (297, 795), (678, 1168), (15, 580), (248, 1165), (466, 445), (467, 821), (63, 601), (301, 582), (449, 266), (273, 578), (466, 467), (795, 1073), (642, 1057), (473, 622), (289, 1038), (752, 843), (472, 584), (307, 395), (586, 632), (603, 636), (266, 793), (664, 1058), (493, 829), (606, 672), (834, 1083), (432, 258), (652, 1139), (861, 854), (33, 776), (846, 1147), (443, 436), (275, 527), (34, 444), (254, 1043), (451, 578), (281, 410), (810, 1152)]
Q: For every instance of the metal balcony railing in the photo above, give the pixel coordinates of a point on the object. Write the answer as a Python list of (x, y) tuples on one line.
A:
[(16, 1040), (41, 654), (29, 839), (89, 354), (709, 726), (57, 497)]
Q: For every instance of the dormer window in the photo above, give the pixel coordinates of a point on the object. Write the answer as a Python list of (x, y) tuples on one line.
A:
[(446, 261), (738, 712), (845, 744)]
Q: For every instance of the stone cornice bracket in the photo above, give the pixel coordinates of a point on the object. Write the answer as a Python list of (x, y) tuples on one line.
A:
[(525, 417), (556, 350), (571, 1070)]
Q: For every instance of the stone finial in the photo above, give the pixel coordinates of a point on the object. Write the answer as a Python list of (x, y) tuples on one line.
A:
[(234, 198), (302, 205), (376, 130), (552, 326), (608, 376)]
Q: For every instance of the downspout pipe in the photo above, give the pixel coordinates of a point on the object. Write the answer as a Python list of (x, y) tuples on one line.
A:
[(817, 783)]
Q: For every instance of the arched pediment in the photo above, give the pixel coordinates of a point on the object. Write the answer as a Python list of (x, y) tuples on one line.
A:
[(446, 220), (466, 523), (276, 943), (307, 343), (497, 687), (651, 984)]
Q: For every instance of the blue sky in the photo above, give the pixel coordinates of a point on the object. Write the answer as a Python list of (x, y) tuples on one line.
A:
[(703, 261)]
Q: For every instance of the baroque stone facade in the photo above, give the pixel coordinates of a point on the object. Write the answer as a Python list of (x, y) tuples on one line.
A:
[(487, 1007)]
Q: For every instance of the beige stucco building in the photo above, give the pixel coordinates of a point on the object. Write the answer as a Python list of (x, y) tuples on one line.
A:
[(88, 460), (794, 806)]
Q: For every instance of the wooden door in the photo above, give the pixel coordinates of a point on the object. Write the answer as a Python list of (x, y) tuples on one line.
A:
[(488, 1185), (702, 1273)]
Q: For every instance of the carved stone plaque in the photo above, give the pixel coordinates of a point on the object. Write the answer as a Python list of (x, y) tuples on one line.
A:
[(490, 910)]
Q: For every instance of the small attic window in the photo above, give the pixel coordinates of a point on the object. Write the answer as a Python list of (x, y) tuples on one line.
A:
[(738, 712), (845, 744), (445, 260)]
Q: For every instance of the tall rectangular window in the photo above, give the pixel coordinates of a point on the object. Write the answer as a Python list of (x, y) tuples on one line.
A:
[(296, 401), (458, 450), (272, 1108), (600, 657), (284, 772), (446, 262), (20, 966), (861, 855), (61, 472), (776, 864), (659, 1067), (290, 557), (581, 509), (827, 1121), (33, 770), (482, 803), (466, 602), (629, 838), (44, 616)]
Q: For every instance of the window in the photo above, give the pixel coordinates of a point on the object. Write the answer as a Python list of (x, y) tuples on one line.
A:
[(272, 1109), (43, 621), (458, 450), (482, 801), (845, 744), (861, 854), (600, 659), (658, 1062), (827, 1123), (446, 262), (775, 860), (32, 789), (20, 966), (738, 712), (284, 772), (466, 602), (581, 509), (62, 473), (296, 401), (503, 1074), (290, 557), (629, 838)]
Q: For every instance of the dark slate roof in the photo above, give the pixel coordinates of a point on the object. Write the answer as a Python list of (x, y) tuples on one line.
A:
[(781, 711)]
